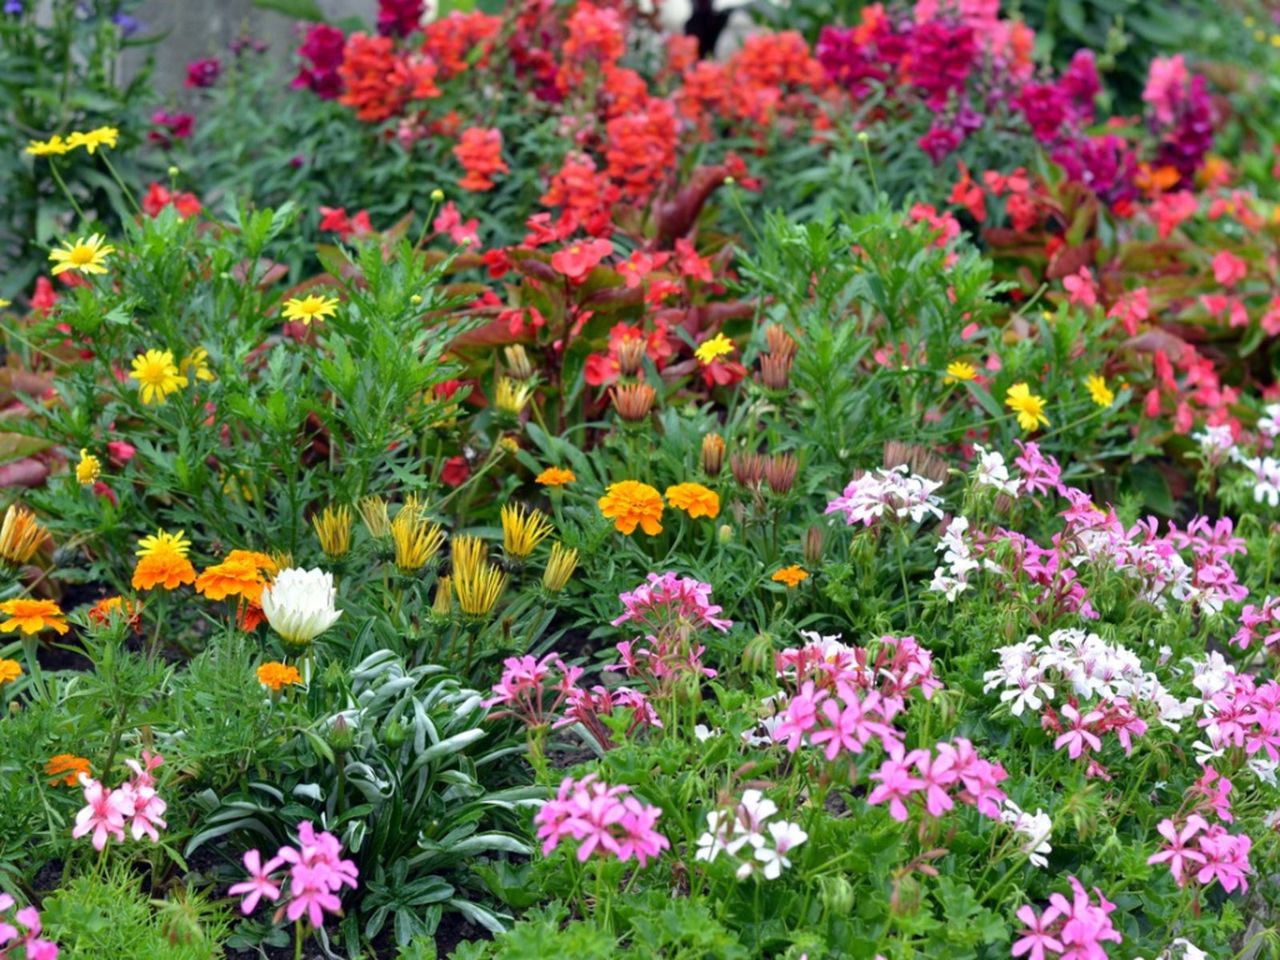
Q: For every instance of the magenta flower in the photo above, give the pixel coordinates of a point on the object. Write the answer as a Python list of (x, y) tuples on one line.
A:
[(600, 818), (937, 775), (1079, 736), (259, 884), (801, 716), (27, 938), (666, 600), (317, 873)]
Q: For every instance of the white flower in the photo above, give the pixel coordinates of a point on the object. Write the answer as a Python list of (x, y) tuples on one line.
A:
[(705, 733), (1215, 442), (299, 604), (1036, 827), (786, 835), (1269, 424), (992, 471), (1266, 471)]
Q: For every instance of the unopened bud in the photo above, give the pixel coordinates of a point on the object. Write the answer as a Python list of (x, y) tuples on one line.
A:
[(633, 401), (757, 655), (725, 533), (712, 454), (630, 356), (437, 195), (836, 894), (519, 365), (780, 472), (775, 371), (748, 468), (813, 544)]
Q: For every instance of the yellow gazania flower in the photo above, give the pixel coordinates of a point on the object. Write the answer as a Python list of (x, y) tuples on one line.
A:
[(10, 670), (694, 499), (93, 139), (1099, 392), (196, 364), (629, 503), (20, 535), (958, 370), (157, 376), (87, 256), (416, 539), (333, 530), (5, 303), (791, 575), (373, 511), (560, 567), (276, 676), (310, 307), (477, 587), (1028, 406), (88, 469), (523, 530), (555, 477), (512, 397), (709, 350), (32, 616), (55, 146)]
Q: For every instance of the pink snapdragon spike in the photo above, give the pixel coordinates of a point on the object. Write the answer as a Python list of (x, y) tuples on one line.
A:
[(103, 814), (23, 933), (666, 602), (601, 819), (316, 874)]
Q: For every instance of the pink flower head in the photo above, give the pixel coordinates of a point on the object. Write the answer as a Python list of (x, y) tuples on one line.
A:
[(1081, 289), (259, 884), (104, 813), (896, 784), (600, 818), (1228, 269), (1175, 851), (667, 601)]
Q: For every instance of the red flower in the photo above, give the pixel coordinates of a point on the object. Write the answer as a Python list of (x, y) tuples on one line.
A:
[(455, 471), (449, 221), (969, 195), (203, 73), (158, 197), (691, 265), (479, 150), (44, 298), (578, 260), (336, 219)]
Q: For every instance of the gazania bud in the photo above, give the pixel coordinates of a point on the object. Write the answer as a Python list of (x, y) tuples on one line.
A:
[(725, 533), (560, 567), (20, 535), (395, 733), (373, 511), (813, 546), (633, 401), (836, 895), (780, 342), (511, 396), (775, 371), (757, 655), (341, 734), (630, 355), (333, 530), (712, 454), (442, 605), (519, 366), (748, 468), (780, 472)]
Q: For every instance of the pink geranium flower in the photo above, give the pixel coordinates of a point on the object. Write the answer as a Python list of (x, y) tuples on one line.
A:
[(103, 814)]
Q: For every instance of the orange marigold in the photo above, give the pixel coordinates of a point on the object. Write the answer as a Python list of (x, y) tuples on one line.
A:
[(65, 769), (629, 504), (555, 477), (100, 613), (10, 670), (479, 150), (791, 575), (164, 565), (276, 676), (239, 574), (32, 616), (694, 499)]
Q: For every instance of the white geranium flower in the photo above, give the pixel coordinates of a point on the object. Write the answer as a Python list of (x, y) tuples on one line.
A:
[(299, 605), (786, 835)]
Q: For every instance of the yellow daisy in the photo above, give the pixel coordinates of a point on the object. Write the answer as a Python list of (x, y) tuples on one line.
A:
[(157, 376), (1028, 406), (87, 256), (1101, 394), (959, 370), (709, 350), (310, 308), (93, 139)]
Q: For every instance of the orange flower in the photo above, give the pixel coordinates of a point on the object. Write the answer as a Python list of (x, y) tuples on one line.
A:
[(32, 616), (240, 574), (479, 150), (629, 504), (10, 670), (694, 499), (65, 769), (100, 613), (249, 616), (276, 676), (791, 575), (166, 568), (555, 477)]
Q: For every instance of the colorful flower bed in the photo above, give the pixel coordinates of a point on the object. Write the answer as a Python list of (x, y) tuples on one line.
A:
[(523, 490)]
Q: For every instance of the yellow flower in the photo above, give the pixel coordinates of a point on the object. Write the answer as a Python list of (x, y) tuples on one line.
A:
[(333, 530), (709, 350), (560, 567), (93, 139), (476, 583), (310, 307), (373, 511), (65, 769), (442, 605), (20, 535), (629, 504), (10, 670), (32, 616), (1028, 406), (1101, 394), (791, 575), (555, 477), (54, 146), (88, 469), (157, 376), (87, 256), (415, 538), (512, 397), (959, 370), (276, 676), (196, 364), (523, 530), (5, 303), (694, 499)]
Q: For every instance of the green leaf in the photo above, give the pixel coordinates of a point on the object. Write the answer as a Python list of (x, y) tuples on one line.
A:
[(297, 9)]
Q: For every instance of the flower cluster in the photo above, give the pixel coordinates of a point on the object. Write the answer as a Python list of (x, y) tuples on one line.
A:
[(745, 832), (893, 492), (23, 934), (1074, 929), (1196, 849), (948, 772), (666, 604), (600, 818), (316, 874), (134, 803)]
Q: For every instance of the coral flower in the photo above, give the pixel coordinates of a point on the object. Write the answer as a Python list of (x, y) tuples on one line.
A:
[(578, 260), (85, 255), (65, 769), (157, 376), (1099, 392), (479, 150), (88, 469), (101, 612), (310, 307), (32, 616), (10, 670), (629, 504), (694, 499), (276, 676), (791, 575), (162, 561), (555, 477), (1028, 406)]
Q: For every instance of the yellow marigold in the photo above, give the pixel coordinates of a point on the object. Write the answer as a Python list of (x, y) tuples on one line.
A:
[(959, 370), (86, 255), (65, 769), (709, 350), (1028, 406), (276, 676), (10, 670), (162, 561), (20, 535), (791, 575), (555, 477), (55, 146), (310, 307), (157, 376), (629, 503), (91, 140), (523, 530), (88, 469), (694, 499), (240, 574), (1100, 393), (32, 616), (196, 364)]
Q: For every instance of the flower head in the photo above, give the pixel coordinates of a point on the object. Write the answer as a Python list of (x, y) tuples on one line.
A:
[(157, 376), (1099, 392), (91, 140), (555, 477), (276, 676), (20, 535), (477, 584), (65, 769), (710, 349), (560, 567), (310, 307), (791, 576), (1028, 406), (32, 616), (55, 146), (10, 670), (629, 503), (333, 530), (87, 255), (958, 370), (523, 530), (694, 499), (162, 561), (415, 538), (88, 469), (240, 574), (299, 605)]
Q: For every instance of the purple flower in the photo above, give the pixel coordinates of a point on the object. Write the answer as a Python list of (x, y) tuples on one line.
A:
[(203, 73), (13, 7)]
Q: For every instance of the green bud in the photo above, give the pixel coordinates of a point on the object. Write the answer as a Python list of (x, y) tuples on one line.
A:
[(725, 533), (394, 734), (836, 894), (437, 195), (757, 655)]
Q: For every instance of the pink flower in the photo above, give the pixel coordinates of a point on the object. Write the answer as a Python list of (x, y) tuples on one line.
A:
[(667, 600), (259, 884), (937, 774), (1166, 86), (896, 784), (1078, 736), (801, 716), (27, 939), (600, 818), (1081, 289), (1036, 938), (104, 813), (850, 727), (311, 893), (449, 221), (1226, 858), (1228, 269), (1131, 309), (1175, 853)]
